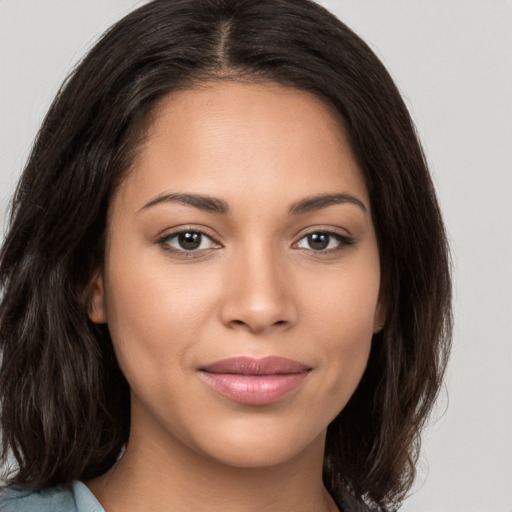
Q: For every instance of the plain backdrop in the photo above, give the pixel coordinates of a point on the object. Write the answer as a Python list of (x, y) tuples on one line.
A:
[(452, 60)]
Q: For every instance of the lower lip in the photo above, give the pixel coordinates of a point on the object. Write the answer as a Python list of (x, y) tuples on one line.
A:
[(254, 389)]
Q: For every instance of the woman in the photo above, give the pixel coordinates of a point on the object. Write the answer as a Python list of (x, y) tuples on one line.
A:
[(225, 283)]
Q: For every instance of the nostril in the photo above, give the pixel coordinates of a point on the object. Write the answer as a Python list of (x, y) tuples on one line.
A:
[(254, 326)]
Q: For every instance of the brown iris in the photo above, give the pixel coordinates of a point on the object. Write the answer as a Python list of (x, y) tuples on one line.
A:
[(189, 240), (318, 241)]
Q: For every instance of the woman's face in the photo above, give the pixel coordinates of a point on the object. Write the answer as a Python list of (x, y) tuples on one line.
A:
[(241, 281)]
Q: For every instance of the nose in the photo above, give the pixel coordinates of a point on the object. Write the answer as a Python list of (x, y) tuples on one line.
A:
[(258, 296)]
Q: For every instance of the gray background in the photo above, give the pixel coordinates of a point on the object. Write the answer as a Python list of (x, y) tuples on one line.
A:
[(452, 59)]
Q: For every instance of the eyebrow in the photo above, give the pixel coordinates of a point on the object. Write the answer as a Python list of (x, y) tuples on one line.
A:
[(318, 202), (206, 203), (215, 205)]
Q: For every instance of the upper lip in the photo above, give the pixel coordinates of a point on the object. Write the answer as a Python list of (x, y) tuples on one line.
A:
[(271, 365)]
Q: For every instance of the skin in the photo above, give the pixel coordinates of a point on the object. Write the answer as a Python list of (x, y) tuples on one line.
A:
[(255, 287)]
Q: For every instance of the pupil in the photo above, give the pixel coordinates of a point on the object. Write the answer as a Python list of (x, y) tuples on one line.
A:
[(189, 241), (318, 241)]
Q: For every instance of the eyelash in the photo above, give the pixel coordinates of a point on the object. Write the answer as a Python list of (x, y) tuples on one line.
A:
[(343, 242)]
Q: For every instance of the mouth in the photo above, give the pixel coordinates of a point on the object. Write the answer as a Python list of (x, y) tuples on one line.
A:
[(254, 381)]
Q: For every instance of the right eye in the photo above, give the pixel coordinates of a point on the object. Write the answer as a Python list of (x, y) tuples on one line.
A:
[(188, 241), (323, 241)]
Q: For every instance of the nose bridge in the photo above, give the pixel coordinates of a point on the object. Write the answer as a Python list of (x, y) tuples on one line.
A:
[(258, 293)]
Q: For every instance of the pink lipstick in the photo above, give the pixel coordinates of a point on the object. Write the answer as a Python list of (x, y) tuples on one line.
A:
[(255, 381)]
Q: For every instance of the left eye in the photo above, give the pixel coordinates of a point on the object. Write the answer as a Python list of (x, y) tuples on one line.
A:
[(323, 241), (189, 241)]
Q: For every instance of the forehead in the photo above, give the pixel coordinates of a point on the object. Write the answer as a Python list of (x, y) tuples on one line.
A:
[(226, 138)]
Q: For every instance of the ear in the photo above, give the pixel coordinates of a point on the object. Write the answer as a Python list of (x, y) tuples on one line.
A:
[(96, 308), (380, 316)]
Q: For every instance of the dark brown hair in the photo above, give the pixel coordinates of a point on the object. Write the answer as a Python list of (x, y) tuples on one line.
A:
[(65, 402)]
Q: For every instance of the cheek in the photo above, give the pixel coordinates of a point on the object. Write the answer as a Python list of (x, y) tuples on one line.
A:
[(343, 302), (342, 316), (346, 348), (154, 315)]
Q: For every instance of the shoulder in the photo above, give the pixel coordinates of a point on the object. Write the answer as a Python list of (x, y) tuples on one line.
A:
[(73, 498), (26, 499)]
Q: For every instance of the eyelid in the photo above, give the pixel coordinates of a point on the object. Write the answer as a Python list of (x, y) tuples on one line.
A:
[(176, 230)]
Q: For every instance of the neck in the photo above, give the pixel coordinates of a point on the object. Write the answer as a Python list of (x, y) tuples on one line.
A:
[(158, 472)]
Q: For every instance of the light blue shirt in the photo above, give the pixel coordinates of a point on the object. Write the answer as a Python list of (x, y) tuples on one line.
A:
[(77, 498)]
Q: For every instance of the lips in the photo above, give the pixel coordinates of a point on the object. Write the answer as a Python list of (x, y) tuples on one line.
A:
[(255, 381)]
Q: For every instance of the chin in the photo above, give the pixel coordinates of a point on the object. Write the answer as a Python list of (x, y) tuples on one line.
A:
[(262, 444), (257, 455)]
